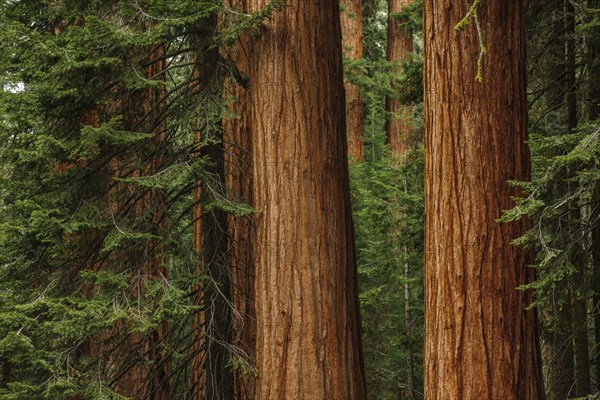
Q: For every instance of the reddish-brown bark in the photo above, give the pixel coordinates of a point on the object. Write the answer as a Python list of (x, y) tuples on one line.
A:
[(211, 330), (399, 47), (480, 342), (198, 375), (238, 166), (352, 43), (308, 326)]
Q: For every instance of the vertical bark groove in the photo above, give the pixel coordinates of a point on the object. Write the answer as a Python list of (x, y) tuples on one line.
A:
[(308, 324), (480, 343)]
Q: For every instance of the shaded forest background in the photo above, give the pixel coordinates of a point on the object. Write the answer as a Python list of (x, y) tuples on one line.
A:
[(123, 197)]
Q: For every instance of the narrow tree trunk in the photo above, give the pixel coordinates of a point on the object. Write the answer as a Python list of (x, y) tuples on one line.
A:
[(308, 324), (410, 380), (579, 314), (141, 369), (198, 346), (399, 140), (399, 47), (553, 64), (593, 61), (159, 382), (594, 112), (558, 349), (157, 266), (239, 187), (409, 393), (213, 322), (6, 364), (579, 306), (352, 41), (556, 318), (580, 333), (239, 183), (596, 280), (570, 68), (480, 342), (217, 293)]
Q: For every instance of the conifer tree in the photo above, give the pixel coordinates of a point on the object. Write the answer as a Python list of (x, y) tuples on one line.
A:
[(98, 203), (308, 326), (480, 340), (561, 197)]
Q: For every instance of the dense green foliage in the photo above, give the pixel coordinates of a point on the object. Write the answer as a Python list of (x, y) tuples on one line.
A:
[(98, 114), (563, 199), (101, 106), (387, 198)]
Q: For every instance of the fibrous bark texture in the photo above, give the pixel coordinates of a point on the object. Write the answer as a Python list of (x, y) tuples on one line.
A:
[(399, 47), (308, 325), (352, 42), (480, 342)]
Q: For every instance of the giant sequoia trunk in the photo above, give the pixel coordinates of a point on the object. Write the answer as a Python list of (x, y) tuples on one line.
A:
[(480, 342), (352, 36), (308, 325), (399, 47)]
